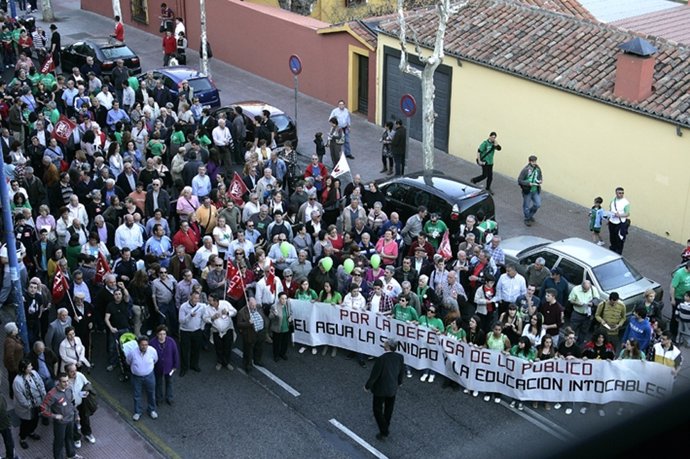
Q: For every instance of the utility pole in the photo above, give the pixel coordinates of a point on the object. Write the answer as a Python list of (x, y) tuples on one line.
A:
[(13, 9), (204, 48), (117, 11), (11, 245)]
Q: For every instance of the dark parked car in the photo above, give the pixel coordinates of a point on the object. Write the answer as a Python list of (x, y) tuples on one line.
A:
[(203, 86), (578, 260), (451, 198), (105, 51), (287, 130)]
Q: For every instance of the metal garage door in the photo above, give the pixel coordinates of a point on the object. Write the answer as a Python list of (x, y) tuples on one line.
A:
[(396, 83)]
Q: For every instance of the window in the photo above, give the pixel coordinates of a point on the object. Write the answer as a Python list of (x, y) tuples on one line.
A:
[(615, 274), (117, 52), (549, 258), (200, 84), (354, 3), (397, 191), (572, 272)]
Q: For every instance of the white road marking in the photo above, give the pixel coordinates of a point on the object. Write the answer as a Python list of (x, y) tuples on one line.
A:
[(288, 388), (543, 423), (358, 439)]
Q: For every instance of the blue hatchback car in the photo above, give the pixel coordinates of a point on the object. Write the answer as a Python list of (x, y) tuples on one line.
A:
[(203, 86)]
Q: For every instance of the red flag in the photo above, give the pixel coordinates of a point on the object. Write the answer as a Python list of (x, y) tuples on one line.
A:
[(63, 129), (271, 278), (60, 286), (102, 268), (237, 189), (444, 248), (49, 65), (235, 282)]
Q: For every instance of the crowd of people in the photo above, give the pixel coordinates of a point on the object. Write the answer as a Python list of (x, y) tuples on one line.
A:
[(134, 220)]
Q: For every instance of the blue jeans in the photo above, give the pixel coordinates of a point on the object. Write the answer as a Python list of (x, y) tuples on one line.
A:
[(164, 380), (531, 202), (148, 383), (346, 145)]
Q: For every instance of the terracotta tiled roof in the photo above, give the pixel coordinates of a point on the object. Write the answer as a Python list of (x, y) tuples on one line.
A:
[(672, 24), (364, 32), (571, 7), (558, 50)]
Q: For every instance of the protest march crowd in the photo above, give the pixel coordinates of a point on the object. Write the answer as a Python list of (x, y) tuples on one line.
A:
[(131, 222)]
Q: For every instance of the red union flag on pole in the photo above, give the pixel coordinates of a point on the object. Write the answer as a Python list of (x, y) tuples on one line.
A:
[(235, 288), (60, 286), (444, 248), (102, 268), (63, 129), (237, 189), (49, 65), (341, 168)]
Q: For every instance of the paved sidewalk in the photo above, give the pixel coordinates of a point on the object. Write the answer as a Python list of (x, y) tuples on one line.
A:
[(115, 438)]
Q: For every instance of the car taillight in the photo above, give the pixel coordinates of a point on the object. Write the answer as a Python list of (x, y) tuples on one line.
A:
[(107, 65), (134, 60), (455, 213)]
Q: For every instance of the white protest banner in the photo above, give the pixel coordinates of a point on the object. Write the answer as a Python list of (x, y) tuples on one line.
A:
[(483, 370)]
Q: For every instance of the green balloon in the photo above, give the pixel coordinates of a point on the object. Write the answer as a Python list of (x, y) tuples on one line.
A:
[(285, 248), (327, 263), (348, 265), (375, 260)]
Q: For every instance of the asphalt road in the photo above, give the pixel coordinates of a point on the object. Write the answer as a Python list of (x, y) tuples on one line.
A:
[(230, 414)]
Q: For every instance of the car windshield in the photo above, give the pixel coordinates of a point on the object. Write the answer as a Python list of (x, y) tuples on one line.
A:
[(117, 52), (200, 84), (281, 121), (616, 274)]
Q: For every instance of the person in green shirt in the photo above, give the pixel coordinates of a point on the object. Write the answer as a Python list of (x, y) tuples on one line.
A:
[(525, 351), (434, 323), (403, 311), (330, 296), (454, 330), (434, 229), (680, 283), (485, 159), (156, 145), (307, 294)]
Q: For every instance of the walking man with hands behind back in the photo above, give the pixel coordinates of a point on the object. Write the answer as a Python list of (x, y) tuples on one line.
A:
[(386, 376)]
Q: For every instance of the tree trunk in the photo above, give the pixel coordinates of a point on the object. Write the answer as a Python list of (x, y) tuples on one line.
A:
[(47, 8), (117, 10), (204, 48), (444, 9)]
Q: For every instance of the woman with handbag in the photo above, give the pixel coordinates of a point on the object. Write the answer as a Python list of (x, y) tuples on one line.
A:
[(29, 392), (85, 401), (281, 326), (72, 350)]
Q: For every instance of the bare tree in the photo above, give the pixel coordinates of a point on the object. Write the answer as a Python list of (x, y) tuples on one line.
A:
[(47, 8), (117, 10), (444, 9)]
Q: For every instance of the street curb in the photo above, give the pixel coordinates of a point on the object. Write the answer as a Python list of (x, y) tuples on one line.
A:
[(141, 429)]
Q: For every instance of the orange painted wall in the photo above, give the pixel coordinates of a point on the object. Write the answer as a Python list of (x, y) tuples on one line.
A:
[(260, 40)]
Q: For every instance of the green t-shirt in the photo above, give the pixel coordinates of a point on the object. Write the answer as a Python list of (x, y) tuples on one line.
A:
[(435, 323), (486, 152), (156, 147), (404, 313), (204, 140), (680, 282), (435, 232), (515, 352), (308, 295), (177, 137), (459, 335), (336, 298)]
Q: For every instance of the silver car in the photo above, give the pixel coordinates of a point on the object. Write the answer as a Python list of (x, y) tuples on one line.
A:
[(578, 260)]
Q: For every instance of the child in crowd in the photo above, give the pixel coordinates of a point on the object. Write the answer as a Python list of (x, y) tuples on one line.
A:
[(320, 146), (596, 218), (683, 316), (685, 256)]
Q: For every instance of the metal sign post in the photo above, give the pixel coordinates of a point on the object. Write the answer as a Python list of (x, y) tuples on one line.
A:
[(408, 105), (295, 64)]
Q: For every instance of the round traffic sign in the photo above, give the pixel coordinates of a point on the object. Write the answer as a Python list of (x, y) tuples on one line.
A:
[(295, 64), (408, 105)]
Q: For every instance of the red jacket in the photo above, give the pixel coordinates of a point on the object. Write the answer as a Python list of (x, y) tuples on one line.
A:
[(119, 32), (190, 241), (169, 44)]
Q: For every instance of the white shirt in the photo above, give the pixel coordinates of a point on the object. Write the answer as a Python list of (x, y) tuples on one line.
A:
[(129, 237), (509, 289), (358, 302), (141, 364), (106, 100), (221, 136), (200, 259)]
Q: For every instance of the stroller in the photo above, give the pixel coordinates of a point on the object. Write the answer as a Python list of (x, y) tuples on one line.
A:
[(125, 344)]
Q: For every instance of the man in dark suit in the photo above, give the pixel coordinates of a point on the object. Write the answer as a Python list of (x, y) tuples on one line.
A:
[(383, 383), (157, 198)]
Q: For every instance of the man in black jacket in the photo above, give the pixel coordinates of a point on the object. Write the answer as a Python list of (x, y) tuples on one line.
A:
[(383, 383)]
